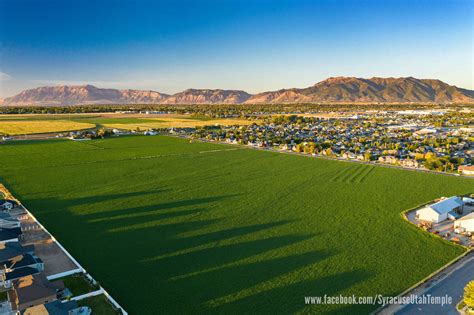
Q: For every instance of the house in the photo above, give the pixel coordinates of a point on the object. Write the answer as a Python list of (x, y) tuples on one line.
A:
[(465, 224), (11, 250), (58, 308), (8, 222), (349, 155), (33, 290), (9, 235), (425, 131), (21, 261), (18, 267), (409, 163), (150, 133), (447, 208), (388, 159), (7, 204), (8, 276), (466, 169)]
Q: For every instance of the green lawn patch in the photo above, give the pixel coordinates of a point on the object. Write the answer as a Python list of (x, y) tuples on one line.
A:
[(78, 285), (99, 305), (176, 227), (3, 296)]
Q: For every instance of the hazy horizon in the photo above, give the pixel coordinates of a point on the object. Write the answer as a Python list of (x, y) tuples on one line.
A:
[(53, 84), (253, 46)]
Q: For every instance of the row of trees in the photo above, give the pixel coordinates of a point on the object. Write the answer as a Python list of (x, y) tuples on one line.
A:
[(221, 110)]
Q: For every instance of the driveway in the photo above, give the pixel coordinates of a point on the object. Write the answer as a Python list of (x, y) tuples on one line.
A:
[(452, 285)]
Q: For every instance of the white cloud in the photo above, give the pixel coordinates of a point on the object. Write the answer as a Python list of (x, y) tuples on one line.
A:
[(4, 76)]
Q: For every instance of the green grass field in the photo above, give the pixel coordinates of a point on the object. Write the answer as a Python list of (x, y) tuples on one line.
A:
[(176, 227), (78, 285), (99, 305)]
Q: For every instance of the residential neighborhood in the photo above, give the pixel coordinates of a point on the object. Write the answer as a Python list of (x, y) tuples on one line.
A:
[(37, 275), (236, 157), (426, 140)]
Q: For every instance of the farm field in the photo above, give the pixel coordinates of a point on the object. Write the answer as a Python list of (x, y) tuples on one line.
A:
[(177, 227), (20, 127), (33, 124)]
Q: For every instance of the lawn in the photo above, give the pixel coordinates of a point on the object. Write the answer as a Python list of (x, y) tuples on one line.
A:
[(78, 285), (3, 296), (170, 226), (99, 305)]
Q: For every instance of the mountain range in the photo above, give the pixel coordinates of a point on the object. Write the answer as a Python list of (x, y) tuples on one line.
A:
[(331, 90)]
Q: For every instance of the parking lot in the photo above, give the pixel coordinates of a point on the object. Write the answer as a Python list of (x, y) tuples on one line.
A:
[(444, 229)]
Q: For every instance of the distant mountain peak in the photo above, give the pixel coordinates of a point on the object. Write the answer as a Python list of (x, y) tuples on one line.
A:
[(374, 90), (338, 89)]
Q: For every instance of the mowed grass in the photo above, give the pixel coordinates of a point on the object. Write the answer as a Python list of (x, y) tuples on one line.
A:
[(169, 226)]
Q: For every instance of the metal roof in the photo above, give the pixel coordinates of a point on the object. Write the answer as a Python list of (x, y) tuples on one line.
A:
[(446, 205)]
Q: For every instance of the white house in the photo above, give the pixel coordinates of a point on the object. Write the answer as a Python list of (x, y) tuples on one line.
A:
[(465, 224), (466, 169), (448, 208), (150, 133)]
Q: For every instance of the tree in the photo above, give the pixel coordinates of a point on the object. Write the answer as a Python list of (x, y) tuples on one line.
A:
[(102, 133), (419, 157), (469, 294), (299, 147), (367, 156), (430, 156)]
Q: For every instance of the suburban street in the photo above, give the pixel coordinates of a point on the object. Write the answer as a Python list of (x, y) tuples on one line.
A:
[(450, 282)]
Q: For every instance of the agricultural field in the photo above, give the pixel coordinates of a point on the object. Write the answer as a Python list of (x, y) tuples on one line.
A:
[(34, 124), (174, 226), (21, 127)]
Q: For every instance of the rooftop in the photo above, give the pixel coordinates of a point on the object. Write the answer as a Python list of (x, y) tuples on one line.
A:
[(446, 205), (467, 217)]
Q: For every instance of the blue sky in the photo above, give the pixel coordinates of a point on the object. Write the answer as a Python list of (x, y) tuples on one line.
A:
[(256, 45)]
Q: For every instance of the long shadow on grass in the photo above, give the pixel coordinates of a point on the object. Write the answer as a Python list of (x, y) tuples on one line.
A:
[(144, 211), (290, 298), (210, 270), (176, 258), (96, 198), (51, 205)]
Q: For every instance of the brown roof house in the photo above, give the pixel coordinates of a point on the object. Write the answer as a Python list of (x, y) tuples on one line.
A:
[(33, 290), (58, 308)]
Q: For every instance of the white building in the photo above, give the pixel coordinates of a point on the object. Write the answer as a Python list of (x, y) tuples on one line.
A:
[(466, 169), (465, 224), (150, 133), (448, 208)]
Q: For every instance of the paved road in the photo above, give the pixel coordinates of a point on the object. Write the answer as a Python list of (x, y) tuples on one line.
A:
[(453, 285)]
